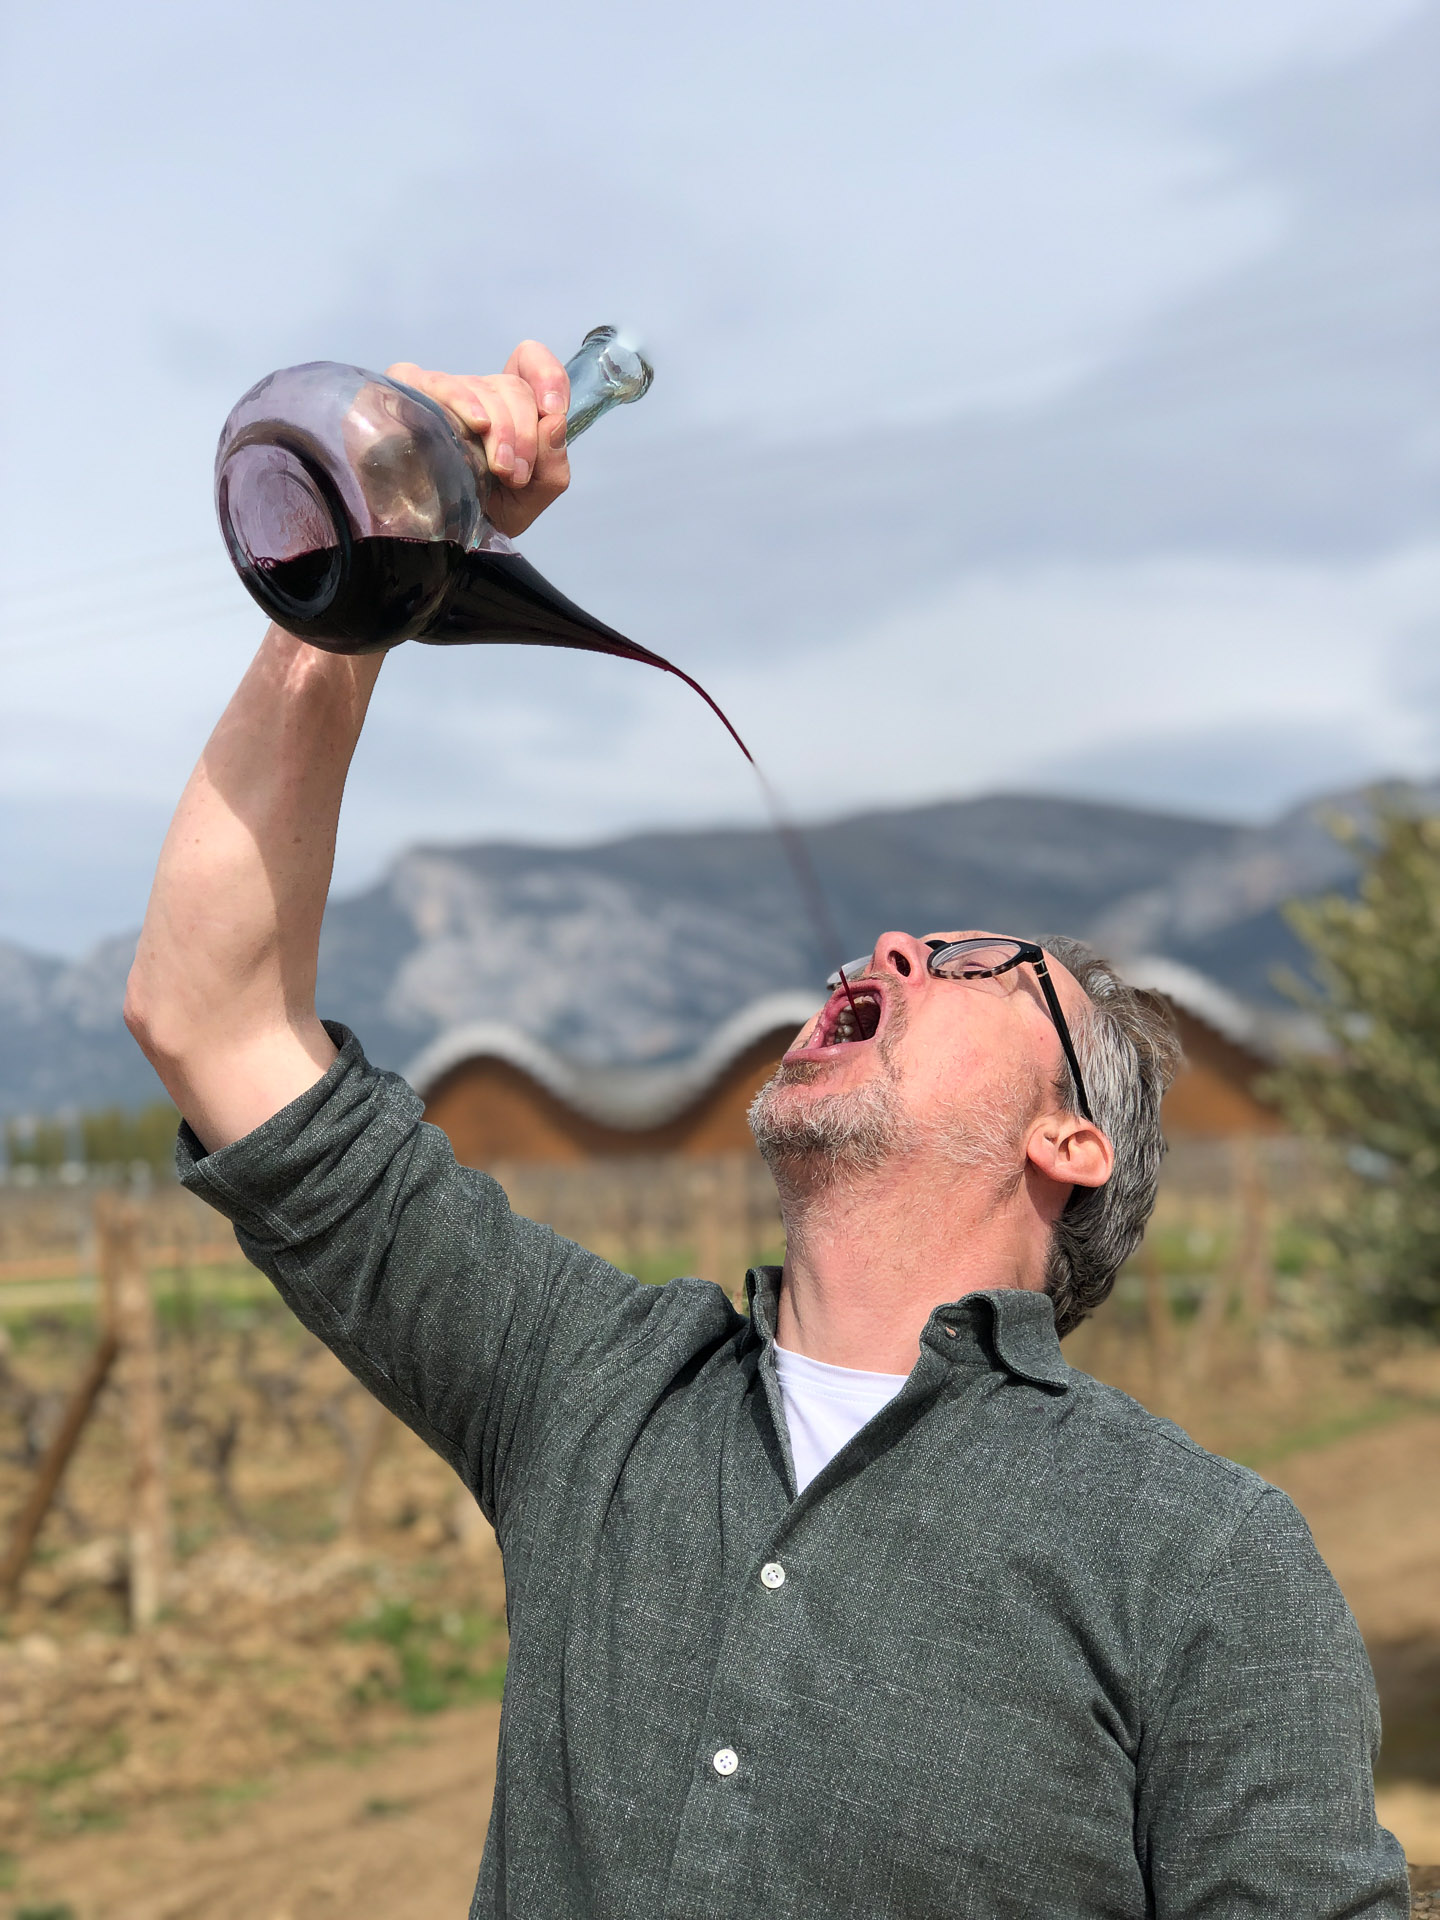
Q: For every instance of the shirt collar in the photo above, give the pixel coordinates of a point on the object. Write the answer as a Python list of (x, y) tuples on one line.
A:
[(1011, 1325)]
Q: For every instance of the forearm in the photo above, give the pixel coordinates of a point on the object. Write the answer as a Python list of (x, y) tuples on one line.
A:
[(222, 994)]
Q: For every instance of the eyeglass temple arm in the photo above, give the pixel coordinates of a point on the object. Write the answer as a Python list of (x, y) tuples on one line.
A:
[(1052, 1000)]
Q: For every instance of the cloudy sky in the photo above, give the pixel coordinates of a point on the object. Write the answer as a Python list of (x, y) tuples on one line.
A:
[(1046, 397)]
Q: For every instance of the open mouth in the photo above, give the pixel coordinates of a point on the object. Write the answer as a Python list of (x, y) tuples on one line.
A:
[(848, 1018)]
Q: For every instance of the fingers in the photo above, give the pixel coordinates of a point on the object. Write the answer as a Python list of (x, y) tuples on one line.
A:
[(512, 436), (503, 410), (520, 416), (549, 383), (543, 374)]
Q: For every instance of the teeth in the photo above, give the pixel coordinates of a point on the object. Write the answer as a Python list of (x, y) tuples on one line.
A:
[(847, 1025)]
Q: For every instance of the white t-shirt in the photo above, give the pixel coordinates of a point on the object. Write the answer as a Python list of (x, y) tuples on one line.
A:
[(825, 1406)]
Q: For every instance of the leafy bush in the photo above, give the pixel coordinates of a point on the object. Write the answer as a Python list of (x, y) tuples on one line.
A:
[(114, 1137), (109, 1138), (1376, 1091)]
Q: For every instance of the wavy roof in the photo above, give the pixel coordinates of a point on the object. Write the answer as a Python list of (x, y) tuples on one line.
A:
[(637, 1097), (621, 1096)]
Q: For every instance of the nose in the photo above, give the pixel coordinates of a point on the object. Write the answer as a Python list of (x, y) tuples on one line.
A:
[(900, 953)]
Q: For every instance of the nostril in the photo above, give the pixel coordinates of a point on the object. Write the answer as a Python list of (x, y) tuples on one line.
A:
[(900, 963)]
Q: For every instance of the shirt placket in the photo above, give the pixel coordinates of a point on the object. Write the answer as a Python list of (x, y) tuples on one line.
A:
[(742, 1736)]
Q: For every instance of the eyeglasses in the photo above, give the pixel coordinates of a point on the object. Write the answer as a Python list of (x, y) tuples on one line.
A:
[(979, 962)]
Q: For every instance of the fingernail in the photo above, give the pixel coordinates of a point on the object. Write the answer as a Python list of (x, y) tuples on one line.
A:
[(557, 436), (503, 458), (522, 472), (552, 403)]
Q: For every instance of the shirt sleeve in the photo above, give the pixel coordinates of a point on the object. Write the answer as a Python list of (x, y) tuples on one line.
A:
[(466, 1320), (1256, 1793)]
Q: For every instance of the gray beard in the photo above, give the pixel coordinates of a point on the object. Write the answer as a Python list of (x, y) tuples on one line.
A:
[(827, 1142), (822, 1142), (832, 1138)]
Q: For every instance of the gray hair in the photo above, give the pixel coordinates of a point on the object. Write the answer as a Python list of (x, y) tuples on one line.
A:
[(1128, 1052)]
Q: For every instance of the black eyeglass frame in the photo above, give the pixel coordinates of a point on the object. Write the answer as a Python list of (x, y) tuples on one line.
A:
[(1026, 953)]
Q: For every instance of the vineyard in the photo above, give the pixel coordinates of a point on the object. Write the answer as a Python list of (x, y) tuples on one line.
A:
[(248, 1573)]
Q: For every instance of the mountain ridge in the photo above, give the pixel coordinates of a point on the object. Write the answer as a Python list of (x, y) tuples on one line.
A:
[(633, 950)]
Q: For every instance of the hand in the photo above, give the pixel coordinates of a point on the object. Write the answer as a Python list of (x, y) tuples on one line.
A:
[(519, 415)]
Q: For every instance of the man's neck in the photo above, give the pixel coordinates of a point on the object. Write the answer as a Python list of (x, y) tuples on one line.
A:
[(869, 1258)]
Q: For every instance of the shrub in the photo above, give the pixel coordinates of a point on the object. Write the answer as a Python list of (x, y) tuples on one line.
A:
[(1376, 1089)]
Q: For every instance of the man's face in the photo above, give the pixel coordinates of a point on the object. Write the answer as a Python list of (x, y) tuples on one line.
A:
[(965, 1066)]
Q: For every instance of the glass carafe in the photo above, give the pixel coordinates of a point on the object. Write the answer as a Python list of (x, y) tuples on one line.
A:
[(354, 509)]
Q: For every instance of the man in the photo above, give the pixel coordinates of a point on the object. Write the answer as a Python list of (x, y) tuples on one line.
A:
[(867, 1605)]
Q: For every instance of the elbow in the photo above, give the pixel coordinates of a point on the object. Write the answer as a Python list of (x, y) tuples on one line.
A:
[(152, 1024), (137, 1010)]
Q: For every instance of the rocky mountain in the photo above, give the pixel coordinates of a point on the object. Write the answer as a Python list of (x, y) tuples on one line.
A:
[(634, 950)]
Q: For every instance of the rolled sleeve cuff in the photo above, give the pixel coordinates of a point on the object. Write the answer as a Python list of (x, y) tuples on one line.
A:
[(296, 1175)]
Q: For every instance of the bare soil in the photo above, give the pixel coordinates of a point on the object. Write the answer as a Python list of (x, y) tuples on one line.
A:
[(1372, 1505), (394, 1835), (311, 1728)]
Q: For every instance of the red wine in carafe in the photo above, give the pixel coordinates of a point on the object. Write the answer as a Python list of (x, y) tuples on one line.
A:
[(364, 591), (355, 508)]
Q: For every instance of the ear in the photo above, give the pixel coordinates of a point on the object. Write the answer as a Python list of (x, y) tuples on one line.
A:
[(1070, 1151)]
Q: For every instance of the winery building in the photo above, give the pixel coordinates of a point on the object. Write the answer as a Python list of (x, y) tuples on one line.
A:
[(503, 1097)]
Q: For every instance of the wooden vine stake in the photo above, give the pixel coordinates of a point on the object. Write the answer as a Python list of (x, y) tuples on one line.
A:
[(51, 1470), (130, 1311), (376, 1426)]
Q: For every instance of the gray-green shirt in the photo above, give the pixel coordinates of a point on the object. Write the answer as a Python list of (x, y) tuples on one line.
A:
[(1020, 1649)]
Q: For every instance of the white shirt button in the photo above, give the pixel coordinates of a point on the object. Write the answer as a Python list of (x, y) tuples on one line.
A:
[(725, 1762), (772, 1574)]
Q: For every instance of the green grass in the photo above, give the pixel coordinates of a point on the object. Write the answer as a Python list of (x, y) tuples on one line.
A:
[(1340, 1426), (654, 1269), (443, 1661), (70, 1320), (52, 1910), (75, 1766), (226, 1296), (239, 1793), (205, 1295)]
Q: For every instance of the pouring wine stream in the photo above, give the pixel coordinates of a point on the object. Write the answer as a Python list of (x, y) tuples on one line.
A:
[(790, 837), (354, 511)]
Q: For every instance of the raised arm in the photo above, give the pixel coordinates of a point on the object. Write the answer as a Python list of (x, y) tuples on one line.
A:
[(222, 993)]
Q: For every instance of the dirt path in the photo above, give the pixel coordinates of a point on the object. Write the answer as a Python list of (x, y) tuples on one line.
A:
[(394, 1837)]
